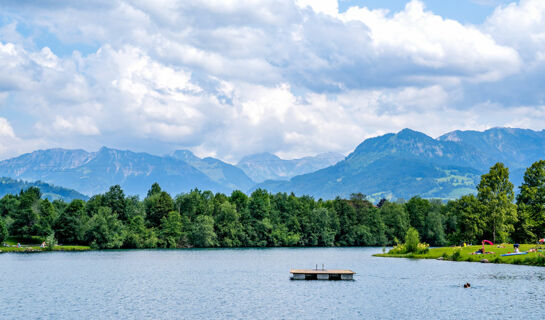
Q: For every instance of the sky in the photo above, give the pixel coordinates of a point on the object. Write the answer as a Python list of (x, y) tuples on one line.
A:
[(228, 78)]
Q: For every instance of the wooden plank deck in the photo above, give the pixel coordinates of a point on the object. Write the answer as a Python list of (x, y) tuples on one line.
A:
[(321, 274), (320, 271)]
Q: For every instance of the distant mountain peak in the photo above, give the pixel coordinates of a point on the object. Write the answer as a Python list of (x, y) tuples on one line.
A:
[(451, 136), (412, 134), (408, 131), (185, 155), (221, 172), (267, 166), (264, 156), (330, 155), (105, 149)]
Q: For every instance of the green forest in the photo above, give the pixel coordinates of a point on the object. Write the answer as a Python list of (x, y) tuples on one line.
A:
[(204, 219)]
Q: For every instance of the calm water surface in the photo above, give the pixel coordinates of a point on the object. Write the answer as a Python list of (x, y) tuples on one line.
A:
[(254, 284)]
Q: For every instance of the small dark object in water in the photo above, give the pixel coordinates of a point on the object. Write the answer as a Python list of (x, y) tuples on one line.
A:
[(467, 285)]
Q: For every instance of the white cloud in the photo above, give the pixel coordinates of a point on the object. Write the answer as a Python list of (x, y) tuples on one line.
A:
[(5, 129), (520, 25), (14, 70), (79, 125), (45, 58), (329, 7), (229, 78), (431, 41), (10, 144)]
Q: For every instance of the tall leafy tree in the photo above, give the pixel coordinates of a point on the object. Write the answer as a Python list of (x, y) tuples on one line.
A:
[(27, 214), (157, 206), (171, 229), (138, 235), (418, 209), (525, 230), (239, 199), (531, 203), (47, 217), (465, 222), (367, 227), (495, 193), (70, 226), (93, 204), (260, 204), (321, 233), (230, 231), (434, 230), (134, 207), (377, 228), (196, 203), (396, 219), (104, 230), (348, 220), (8, 205), (290, 220), (259, 208), (155, 189), (3, 230), (202, 233), (115, 200)]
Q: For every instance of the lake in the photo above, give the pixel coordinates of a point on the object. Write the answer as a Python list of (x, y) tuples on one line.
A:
[(254, 284)]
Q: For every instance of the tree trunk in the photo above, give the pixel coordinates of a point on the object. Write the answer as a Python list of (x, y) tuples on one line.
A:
[(494, 234)]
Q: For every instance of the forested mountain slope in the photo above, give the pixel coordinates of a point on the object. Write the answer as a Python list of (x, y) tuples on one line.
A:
[(411, 163), (51, 192)]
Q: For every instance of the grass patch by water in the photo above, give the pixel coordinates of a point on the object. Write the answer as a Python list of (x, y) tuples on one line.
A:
[(33, 245), (465, 254)]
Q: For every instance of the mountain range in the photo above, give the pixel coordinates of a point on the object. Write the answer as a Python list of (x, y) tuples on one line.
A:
[(411, 163), (180, 171), (267, 166), (394, 165)]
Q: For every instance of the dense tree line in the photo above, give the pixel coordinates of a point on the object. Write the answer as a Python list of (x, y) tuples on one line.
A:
[(203, 219)]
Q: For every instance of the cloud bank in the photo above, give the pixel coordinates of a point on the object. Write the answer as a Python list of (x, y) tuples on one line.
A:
[(230, 78)]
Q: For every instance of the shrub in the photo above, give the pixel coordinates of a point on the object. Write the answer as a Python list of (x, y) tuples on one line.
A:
[(398, 249), (50, 242), (412, 239), (456, 255), (422, 248), (539, 260), (412, 244)]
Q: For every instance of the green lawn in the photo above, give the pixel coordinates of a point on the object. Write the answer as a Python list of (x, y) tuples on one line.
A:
[(33, 245), (465, 254)]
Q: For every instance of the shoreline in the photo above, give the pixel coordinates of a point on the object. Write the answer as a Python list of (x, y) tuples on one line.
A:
[(76, 248), (534, 258), (38, 249)]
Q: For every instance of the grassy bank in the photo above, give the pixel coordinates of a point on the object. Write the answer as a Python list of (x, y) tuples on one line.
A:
[(465, 254), (33, 245)]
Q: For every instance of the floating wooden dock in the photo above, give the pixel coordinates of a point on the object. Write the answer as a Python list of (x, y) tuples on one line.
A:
[(321, 274)]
